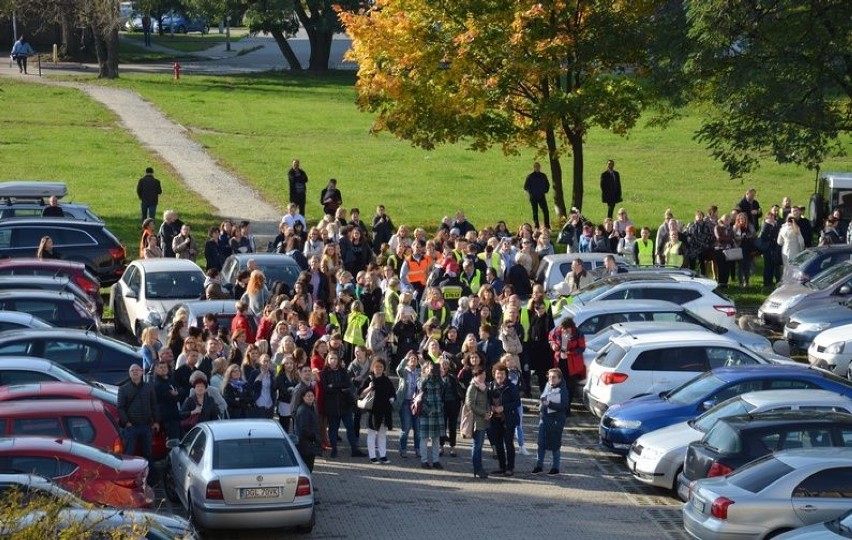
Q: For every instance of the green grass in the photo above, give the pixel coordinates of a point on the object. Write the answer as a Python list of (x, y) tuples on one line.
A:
[(131, 53), (49, 133), (189, 43)]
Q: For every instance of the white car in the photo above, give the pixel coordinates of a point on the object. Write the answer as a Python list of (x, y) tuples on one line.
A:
[(149, 288), (832, 350), (699, 295), (553, 268), (630, 366), (241, 474), (656, 458)]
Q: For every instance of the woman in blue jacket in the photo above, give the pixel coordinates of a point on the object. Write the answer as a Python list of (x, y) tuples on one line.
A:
[(505, 400), (553, 408)]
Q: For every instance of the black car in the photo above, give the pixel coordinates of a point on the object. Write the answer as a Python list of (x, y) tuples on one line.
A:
[(50, 283), (92, 356), (812, 261), (275, 267), (734, 441), (57, 308), (90, 243)]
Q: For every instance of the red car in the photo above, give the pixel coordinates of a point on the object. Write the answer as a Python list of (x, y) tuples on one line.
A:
[(30, 266), (96, 476), (82, 420), (66, 390)]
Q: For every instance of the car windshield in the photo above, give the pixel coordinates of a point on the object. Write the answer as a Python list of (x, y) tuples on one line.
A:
[(174, 284), (253, 454), (713, 327), (844, 523), (801, 258), (696, 389), (723, 438), (759, 474), (285, 273), (597, 341), (610, 355), (830, 275), (732, 407), (593, 290)]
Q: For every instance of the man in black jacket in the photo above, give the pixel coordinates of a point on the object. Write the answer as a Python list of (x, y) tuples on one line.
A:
[(138, 414), (610, 187), (537, 186), (148, 189), (298, 180)]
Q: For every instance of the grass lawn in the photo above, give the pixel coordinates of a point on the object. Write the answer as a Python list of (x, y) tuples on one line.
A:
[(49, 133), (135, 52), (189, 43)]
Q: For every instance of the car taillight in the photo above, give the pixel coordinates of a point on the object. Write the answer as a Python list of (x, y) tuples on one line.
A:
[(214, 491), (130, 483), (719, 469), (613, 377), (728, 310), (118, 253), (117, 446), (719, 508), (304, 487), (86, 284)]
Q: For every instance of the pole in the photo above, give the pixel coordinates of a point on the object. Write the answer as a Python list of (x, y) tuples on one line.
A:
[(14, 35), (227, 32)]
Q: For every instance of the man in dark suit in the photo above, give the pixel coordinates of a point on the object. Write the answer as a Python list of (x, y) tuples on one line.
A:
[(610, 187), (537, 186)]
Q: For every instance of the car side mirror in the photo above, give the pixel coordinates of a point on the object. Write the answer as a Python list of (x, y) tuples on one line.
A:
[(173, 443), (131, 294), (845, 290), (707, 405)]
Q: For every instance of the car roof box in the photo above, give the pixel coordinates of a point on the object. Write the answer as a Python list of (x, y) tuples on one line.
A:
[(32, 190)]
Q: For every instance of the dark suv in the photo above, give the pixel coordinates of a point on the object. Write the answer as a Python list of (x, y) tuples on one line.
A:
[(734, 441), (89, 243)]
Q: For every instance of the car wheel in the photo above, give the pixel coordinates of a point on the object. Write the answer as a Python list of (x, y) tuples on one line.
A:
[(181, 29), (116, 316), (779, 532), (307, 528), (674, 480), (169, 485), (205, 30), (190, 514)]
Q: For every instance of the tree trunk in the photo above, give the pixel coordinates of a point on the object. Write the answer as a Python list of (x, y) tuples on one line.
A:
[(575, 137), (320, 48), (287, 50), (112, 53), (71, 42), (555, 173), (100, 51)]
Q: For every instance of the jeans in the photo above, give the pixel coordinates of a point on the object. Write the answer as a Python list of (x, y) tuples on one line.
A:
[(334, 426), (519, 431), (147, 34), (476, 456), (541, 451), (436, 448), (380, 437), (408, 421), (149, 210), (137, 440)]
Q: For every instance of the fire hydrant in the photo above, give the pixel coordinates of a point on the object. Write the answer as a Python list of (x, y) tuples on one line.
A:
[(176, 69)]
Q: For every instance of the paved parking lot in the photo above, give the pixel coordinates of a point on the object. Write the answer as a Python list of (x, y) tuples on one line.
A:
[(593, 498)]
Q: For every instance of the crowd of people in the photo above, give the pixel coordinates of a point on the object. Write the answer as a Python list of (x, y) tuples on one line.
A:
[(444, 311)]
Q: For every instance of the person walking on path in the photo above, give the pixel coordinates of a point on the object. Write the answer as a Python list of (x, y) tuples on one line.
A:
[(148, 189), (610, 187), (22, 50), (298, 180), (537, 186)]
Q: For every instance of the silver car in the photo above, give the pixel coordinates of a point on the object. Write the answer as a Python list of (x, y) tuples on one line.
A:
[(831, 286), (238, 474), (835, 529), (770, 495)]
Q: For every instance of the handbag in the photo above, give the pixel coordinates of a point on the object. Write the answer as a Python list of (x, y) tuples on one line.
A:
[(417, 404), (466, 422), (190, 421), (366, 403), (733, 254)]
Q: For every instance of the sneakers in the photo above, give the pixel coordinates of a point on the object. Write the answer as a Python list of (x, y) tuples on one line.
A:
[(384, 460), (537, 470), (437, 465), (509, 473), (374, 460), (553, 472), (523, 451)]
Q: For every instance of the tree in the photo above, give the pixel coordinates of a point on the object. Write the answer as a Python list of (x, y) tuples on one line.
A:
[(277, 18), (778, 75), (514, 73)]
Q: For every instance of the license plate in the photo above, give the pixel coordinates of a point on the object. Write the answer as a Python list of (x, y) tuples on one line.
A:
[(698, 504), (259, 493)]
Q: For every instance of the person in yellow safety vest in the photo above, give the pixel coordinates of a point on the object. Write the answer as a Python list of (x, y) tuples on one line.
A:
[(538, 296), (523, 319), (356, 329), (490, 255), (434, 307), (674, 251), (644, 249), (471, 277), (337, 318), (396, 260), (390, 302)]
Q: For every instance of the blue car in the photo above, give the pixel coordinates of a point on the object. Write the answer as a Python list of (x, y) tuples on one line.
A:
[(804, 325), (180, 24), (622, 424)]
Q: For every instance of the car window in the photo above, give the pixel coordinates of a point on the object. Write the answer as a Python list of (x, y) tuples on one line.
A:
[(135, 282), (43, 309), (128, 275), (733, 407), (723, 438), (196, 451), (42, 466), (253, 454), (23, 376), (49, 427), (70, 352), (610, 356), (724, 356), (760, 473), (590, 326), (672, 359), (5, 238), (80, 429), (695, 389), (829, 276), (846, 437), (665, 317), (174, 284), (27, 237), (72, 237), (806, 438), (787, 384), (737, 390), (21, 348), (834, 483)]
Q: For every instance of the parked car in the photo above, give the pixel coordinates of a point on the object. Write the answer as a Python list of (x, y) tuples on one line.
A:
[(833, 529), (622, 424), (87, 421), (832, 350), (222, 310), (656, 458), (134, 24), (90, 243), (29, 199), (772, 495), (30, 266), (833, 191), (552, 269), (630, 366), (806, 324), (25, 370), (231, 474), (831, 286), (112, 523), (50, 283), (810, 262), (89, 355), (96, 476), (734, 441), (697, 294), (150, 288), (15, 320), (179, 23), (57, 308), (275, 267)]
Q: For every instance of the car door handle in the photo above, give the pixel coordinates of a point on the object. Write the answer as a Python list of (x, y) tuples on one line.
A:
[(808, 508)]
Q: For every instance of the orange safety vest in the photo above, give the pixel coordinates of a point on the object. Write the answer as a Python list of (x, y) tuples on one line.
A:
[(418, 270)]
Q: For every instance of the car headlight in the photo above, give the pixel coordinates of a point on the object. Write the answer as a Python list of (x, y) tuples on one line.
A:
[(153, 318), (836, 348), (626, 424), (792, 301)]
